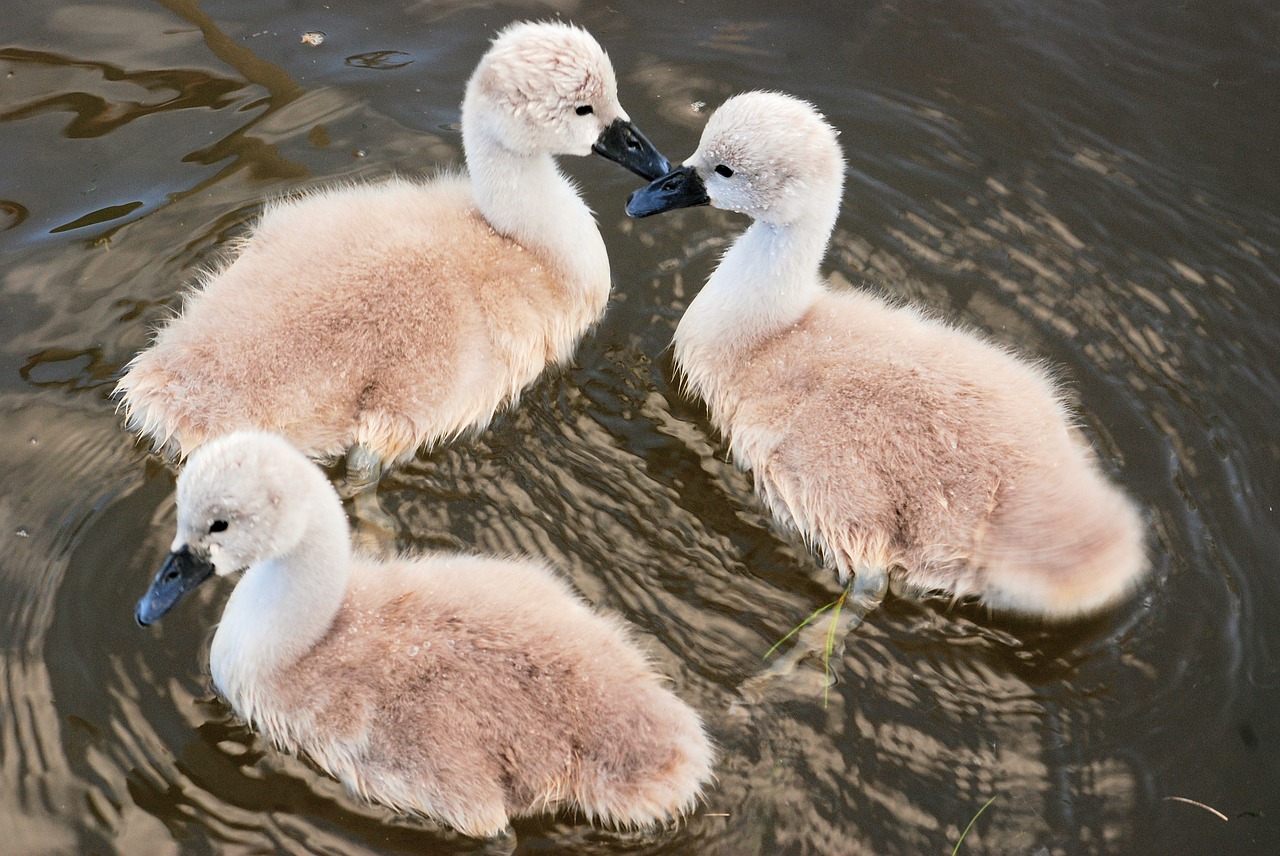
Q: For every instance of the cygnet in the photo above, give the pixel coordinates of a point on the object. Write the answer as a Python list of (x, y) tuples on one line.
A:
[(468, 689), (383, 318), (897, 445)]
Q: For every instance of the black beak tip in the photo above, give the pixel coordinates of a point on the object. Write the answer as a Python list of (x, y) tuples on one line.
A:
[(680, 188), (181, 572), (637, 208), (622, 143)]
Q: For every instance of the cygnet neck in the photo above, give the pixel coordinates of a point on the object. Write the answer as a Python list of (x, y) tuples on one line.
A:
[(283, 606), (524, 196), (766, 282)]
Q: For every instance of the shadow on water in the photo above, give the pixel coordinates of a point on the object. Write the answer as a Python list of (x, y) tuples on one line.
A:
[(1087, 185)]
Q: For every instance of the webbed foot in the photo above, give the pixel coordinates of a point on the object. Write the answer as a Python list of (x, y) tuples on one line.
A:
[(375, 530), (821, 637), (502, 844)]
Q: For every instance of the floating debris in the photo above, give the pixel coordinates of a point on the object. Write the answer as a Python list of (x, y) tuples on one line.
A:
[(313, 38), (1199, 804)]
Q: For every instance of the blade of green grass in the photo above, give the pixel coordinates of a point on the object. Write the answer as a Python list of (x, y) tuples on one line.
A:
[(972, 821), (801, 626), (830, 646)]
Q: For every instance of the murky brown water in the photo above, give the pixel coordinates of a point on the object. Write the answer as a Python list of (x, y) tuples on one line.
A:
[(1094, 184)]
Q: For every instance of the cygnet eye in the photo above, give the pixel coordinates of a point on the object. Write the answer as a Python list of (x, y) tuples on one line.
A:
[(724, 170), (218, 526), (584, 110)]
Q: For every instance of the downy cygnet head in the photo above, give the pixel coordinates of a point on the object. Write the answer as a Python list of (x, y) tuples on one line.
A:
[(549, 88), (764, 154), (242, 499)]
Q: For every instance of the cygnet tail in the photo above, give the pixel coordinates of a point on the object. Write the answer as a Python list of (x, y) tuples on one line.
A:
[(656, 767), (1072, 547), (158, 408)]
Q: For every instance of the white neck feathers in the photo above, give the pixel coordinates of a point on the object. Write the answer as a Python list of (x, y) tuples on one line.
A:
[(525, 197), (765, 283), (282, 607)]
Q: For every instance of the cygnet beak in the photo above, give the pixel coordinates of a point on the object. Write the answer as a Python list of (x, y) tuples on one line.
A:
[(182, 571), (680, 188), (623, 144)]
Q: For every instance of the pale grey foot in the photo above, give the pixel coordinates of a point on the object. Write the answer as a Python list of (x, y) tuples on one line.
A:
[(822, 639), (502, 844), (375, 530)]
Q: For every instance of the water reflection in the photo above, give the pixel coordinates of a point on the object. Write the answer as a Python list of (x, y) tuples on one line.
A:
[(95, 115), (379, 60), (11, 214)]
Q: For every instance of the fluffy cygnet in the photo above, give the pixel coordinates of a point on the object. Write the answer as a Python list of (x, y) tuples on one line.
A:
[(468, 689), (893, 442), (391, 316)]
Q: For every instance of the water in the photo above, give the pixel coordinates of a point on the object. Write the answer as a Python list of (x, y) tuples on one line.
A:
[(1093, 184)]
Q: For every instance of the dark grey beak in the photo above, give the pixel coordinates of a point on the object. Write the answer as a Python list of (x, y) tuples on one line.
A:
[(623, 144), (680, 188), (182, 571)]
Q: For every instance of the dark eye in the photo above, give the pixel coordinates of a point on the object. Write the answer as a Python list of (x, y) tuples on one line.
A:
[(218, 526), (584, 110), (725, 171)]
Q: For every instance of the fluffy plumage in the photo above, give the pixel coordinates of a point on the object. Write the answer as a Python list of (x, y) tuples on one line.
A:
[(469, 689), (893, 442), (392, 316)]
